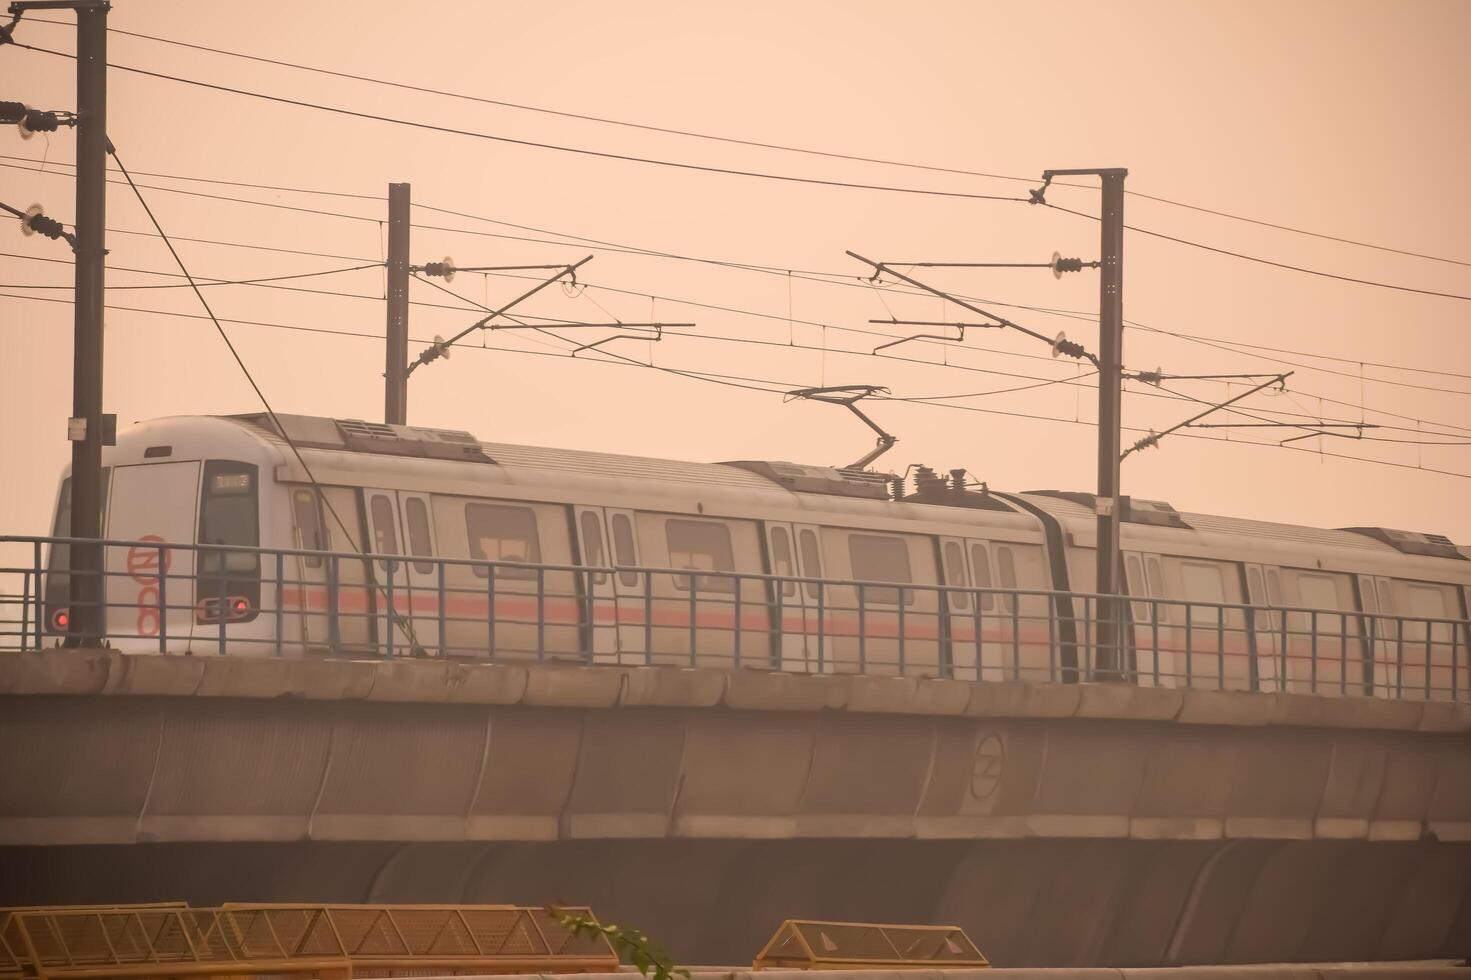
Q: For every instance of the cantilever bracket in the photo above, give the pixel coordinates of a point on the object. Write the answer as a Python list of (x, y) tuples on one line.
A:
[(847, 395)]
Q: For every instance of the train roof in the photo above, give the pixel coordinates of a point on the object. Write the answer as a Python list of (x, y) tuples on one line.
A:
[(1076, 509)]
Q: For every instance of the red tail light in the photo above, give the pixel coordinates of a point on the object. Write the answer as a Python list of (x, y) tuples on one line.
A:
[(232, 608), (60, 620)]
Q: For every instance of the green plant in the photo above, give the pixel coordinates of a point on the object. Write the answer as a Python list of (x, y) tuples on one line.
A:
[(631, 945)]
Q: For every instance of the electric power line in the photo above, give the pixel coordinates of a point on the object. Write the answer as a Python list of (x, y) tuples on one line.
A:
[(673, 131)]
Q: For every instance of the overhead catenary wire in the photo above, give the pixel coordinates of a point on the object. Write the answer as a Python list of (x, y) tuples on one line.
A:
[(821, 278), (747, 340), (809, 151), (770, 386)]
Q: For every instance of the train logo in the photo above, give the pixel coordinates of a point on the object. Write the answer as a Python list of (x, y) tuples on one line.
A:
[(144, 569)]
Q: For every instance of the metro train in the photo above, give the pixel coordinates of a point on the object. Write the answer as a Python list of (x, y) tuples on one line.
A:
[(790, 567)]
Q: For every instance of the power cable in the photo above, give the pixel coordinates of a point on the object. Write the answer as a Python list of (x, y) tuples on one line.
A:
[(755, 143), (832, 278), (775, 386), (212, 282), (1270, 262), (508, 140)]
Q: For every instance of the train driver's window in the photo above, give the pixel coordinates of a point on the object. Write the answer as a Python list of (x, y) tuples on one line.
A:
[(955, 575), (781, 559), (881, 559), (501, 533), (980, 560), (308, 526), (592, 545), (623, 553), (702, 546)]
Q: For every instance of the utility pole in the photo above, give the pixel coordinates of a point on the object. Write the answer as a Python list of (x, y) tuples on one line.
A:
[(396, 373), (86, 426), (1109, 502)]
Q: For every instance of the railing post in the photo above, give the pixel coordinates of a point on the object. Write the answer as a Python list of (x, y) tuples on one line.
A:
[(821, 626), (776, 630), (1342, 656), (392, 615), (975, 614), (490, 612), (541, 613), (648, 578), (739, 588), (1154, 624), (334, 605), (1429, 656), (1189, 649), (40, 595), (163, 599), (222, 603), (1313, 647), (694, 614), (1220, 648), (862, 630), (1016, 637), (1251, 651), (903, 630), (443, 644), (280, 601)]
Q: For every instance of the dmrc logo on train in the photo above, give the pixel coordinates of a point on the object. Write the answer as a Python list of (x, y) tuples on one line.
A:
[(143, 569)]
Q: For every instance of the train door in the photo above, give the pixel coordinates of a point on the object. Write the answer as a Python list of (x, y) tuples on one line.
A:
[(1144, 616), (395, 582), (809, 565), (788, 598), (962, 624), (149, 590), (309, 594), (598, 589), (422, 572), (629, 589), (1265, 641), (994, 660)]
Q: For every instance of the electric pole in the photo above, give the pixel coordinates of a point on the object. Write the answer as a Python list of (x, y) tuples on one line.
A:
[(1110, 503), (396, 373), (86, 426)]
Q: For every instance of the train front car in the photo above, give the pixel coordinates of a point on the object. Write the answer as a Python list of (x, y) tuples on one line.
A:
[(180, 496)]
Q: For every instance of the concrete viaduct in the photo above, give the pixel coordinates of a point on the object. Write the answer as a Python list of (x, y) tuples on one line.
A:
[(1060, 824)]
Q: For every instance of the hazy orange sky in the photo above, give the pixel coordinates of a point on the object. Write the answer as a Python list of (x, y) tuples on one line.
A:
[(1343, 118)]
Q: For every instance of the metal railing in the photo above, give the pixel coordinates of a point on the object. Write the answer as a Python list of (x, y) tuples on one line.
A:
[(240, 940), (166, 598)]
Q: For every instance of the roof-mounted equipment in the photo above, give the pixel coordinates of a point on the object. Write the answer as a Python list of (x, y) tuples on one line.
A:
[(358, 436), (1136, 510), (1412, 542), (836, 481)]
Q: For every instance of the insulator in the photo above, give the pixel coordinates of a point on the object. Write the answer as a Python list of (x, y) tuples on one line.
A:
[(1071, 348), (39, 224), (37, 121), (1061, 264), (13, 112)]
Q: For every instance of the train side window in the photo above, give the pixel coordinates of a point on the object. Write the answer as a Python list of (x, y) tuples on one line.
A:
[(1256, 596), (1202, 582), (881, 559), (308, 526), (1134, 572), (501, 533), (1425, 602), (416, 517), (623, 553), (980, 560), (385, 537), (592, 545), (701, 546), (781, 558), (955, 575), (1006, 568), (1155, 577), (811, 558)]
